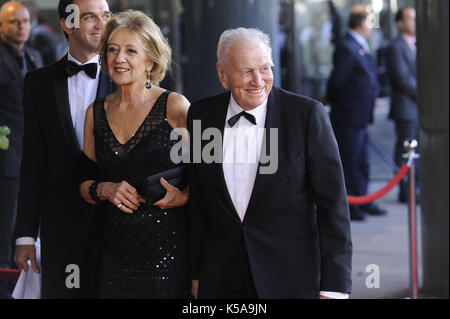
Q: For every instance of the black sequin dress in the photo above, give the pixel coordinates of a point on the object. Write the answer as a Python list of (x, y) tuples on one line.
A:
[(144, 254)]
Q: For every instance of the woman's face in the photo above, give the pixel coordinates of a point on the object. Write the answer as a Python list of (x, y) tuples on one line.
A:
[(127, 60)]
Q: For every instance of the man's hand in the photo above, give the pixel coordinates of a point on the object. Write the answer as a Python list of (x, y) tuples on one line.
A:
[(25, 253), (173, 198), (194, 289)]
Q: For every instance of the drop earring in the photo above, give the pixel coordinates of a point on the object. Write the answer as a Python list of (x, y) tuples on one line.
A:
[(148, 84)]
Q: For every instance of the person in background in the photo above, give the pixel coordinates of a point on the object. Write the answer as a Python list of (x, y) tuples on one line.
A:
[(402, 71), (55, 101), (15, 61), (352, 91)]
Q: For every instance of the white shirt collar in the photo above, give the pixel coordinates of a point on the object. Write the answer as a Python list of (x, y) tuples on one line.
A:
[(360, 39), (95, 59), (258, 112)]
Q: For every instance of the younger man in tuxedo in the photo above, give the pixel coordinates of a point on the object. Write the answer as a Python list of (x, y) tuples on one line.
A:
[(55, 100)]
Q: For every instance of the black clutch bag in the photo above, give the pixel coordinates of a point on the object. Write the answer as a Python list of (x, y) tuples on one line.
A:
[(154, 191)]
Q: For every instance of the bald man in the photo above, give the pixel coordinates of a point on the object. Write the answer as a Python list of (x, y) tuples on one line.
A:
[(15, 61)]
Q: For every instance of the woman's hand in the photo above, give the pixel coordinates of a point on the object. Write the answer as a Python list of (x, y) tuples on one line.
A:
[(174, 197), (194, 288), (122, 195)]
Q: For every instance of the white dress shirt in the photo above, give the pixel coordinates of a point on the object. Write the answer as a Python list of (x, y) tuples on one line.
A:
[(241, 153), (82, 91)]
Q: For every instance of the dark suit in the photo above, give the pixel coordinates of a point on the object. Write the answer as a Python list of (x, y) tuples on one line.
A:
[(296, 230), (11, 115), (352, 91), (353, 85), (11, 110), (402, 70), (51, 150)]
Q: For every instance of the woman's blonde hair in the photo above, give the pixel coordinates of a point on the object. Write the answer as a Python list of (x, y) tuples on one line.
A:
[(155, 44)]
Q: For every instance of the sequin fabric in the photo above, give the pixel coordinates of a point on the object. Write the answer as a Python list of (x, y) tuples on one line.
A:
[(144, 254)]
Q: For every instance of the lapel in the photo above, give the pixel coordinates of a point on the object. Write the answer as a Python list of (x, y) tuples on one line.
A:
[(409, 55), (219, 117), (35, 63), (63, 106), (365, 59), (273, 120)]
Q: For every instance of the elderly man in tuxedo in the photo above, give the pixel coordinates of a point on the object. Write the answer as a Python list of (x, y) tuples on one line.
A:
[(55, 101), (277, 226), (15, 61)]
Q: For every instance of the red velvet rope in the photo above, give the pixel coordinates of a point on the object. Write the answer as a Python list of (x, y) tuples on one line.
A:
[(361, 200), (9, 273)]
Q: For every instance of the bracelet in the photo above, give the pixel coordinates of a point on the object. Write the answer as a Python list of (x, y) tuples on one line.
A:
[(93, 193)]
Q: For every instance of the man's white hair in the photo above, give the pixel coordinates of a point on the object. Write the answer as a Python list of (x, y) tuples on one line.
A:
[(241, 35)]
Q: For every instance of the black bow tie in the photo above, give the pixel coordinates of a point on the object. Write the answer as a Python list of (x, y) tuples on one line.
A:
[(72, 68), (232, 121)]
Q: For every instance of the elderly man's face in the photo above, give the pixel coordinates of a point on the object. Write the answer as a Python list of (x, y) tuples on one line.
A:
[(247, 74)]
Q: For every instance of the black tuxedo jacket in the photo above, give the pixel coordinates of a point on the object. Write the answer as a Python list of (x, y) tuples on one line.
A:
[(46, 201), (296, 228), (11, 110)]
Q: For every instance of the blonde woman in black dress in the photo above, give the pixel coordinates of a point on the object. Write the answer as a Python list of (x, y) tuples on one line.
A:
[(143, 246)]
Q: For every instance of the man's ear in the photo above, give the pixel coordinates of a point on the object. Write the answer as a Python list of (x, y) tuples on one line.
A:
[(223, 77), (64, 26)]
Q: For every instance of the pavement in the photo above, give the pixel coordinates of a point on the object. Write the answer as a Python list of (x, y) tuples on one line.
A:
[(383, 241)]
